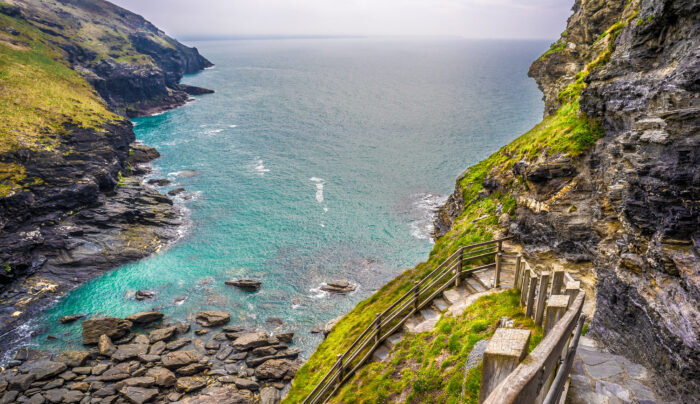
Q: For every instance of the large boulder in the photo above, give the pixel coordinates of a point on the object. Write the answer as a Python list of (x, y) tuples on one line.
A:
[(145, 317), (212, 318), (110, 326), (277, 369), (340, 286), (250, 340), (179, 358), (129, 351), (144, 294), (269, 395)]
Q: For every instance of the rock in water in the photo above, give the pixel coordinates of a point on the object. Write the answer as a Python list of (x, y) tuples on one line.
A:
[(70, 318), (145, 317), (176, 191), (160, 182), (140, 153), (340, 286), (144, 294), (250, 285), (212, 318), (110, 326)]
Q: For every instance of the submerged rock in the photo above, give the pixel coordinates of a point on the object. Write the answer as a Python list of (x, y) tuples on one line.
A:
[(70, 318), (160, 182), (250, 285)]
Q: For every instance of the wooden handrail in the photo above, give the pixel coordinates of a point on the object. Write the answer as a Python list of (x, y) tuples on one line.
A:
[(381, 328), (525, 383)]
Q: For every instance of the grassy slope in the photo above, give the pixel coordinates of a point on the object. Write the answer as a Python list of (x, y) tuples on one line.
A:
[(429, 367), (566, 132), (40, 93)]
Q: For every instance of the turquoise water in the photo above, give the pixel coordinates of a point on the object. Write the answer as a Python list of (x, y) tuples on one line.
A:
[(314, 160)]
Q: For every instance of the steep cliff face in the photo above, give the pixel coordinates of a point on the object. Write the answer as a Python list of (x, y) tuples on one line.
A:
[(627, 202), (68, 208), (134, 66)]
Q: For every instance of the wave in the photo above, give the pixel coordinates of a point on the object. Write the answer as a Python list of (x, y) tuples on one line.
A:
[(424, 211), (319, 188), (260, 168), (233, 126)]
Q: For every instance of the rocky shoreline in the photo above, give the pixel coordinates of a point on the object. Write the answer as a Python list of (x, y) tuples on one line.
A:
[(131, 223), (144, 358)]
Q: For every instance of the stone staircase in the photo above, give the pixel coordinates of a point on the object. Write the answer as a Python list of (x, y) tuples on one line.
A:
[(452, 300)]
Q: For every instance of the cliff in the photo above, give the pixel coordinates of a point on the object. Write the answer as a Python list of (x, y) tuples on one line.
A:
[(607, 184), (628, 205), (69, 71)]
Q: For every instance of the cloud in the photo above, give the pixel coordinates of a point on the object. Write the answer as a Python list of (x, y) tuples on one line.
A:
[(469, 18)]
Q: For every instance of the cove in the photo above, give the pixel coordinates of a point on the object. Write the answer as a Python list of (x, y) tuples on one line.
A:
[(315, 160)]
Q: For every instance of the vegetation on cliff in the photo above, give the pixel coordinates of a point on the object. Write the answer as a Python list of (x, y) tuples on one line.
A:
[(41, 94), (568, 132)]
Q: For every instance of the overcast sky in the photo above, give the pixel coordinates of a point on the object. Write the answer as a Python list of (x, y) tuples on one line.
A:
[(469, 18)]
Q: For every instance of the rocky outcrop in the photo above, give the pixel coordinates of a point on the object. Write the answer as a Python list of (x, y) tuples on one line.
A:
[(137, 369), (628, 205), (83, 212), (139, 74)]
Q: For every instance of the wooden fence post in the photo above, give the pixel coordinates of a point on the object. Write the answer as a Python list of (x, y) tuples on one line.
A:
[(556, 307), (541, 297), (532, 290), (340, 367), (497, 276), (516, 279), (573, 289), (557, 282), (507, 348), (416, 289), (525, 287), (378, 326)]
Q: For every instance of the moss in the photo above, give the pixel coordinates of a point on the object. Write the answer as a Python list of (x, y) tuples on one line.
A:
[(8, 268), (121, 180), (584, 331)]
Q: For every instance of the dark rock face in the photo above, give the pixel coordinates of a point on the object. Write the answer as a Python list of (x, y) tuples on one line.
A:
[(629, 206), (86, 215)]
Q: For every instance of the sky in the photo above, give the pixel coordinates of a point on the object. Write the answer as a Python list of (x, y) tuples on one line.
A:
[(496, 19)]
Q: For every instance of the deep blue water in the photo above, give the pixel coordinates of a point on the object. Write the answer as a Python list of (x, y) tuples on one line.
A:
[(314, 160)]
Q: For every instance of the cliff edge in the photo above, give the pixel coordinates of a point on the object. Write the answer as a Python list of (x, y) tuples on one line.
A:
[(70, 71)]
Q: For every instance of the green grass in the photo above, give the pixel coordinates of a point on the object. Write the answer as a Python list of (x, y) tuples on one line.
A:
[(567, 132), (429, 367), (40, 95)]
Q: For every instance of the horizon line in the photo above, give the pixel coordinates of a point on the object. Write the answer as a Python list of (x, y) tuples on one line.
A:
[(241, 37)]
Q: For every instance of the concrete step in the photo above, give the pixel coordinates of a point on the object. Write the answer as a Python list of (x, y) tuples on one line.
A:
[(381, 353), (394, 339), (440, 304)]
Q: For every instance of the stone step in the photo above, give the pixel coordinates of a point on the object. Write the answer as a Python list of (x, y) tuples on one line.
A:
[(440, 304), (429, 314), (485, 277), (454, 295), (394, 339), (475, 284), (381, 353)]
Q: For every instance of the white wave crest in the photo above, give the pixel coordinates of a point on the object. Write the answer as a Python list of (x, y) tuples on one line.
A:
[(319, 188), (425, 211)]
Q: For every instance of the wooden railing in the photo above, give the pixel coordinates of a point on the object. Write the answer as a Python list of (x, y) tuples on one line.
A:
[(541, 378), (466, 260)]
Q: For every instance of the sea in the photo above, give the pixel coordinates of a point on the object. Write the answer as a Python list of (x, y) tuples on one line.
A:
[(315, 160)]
